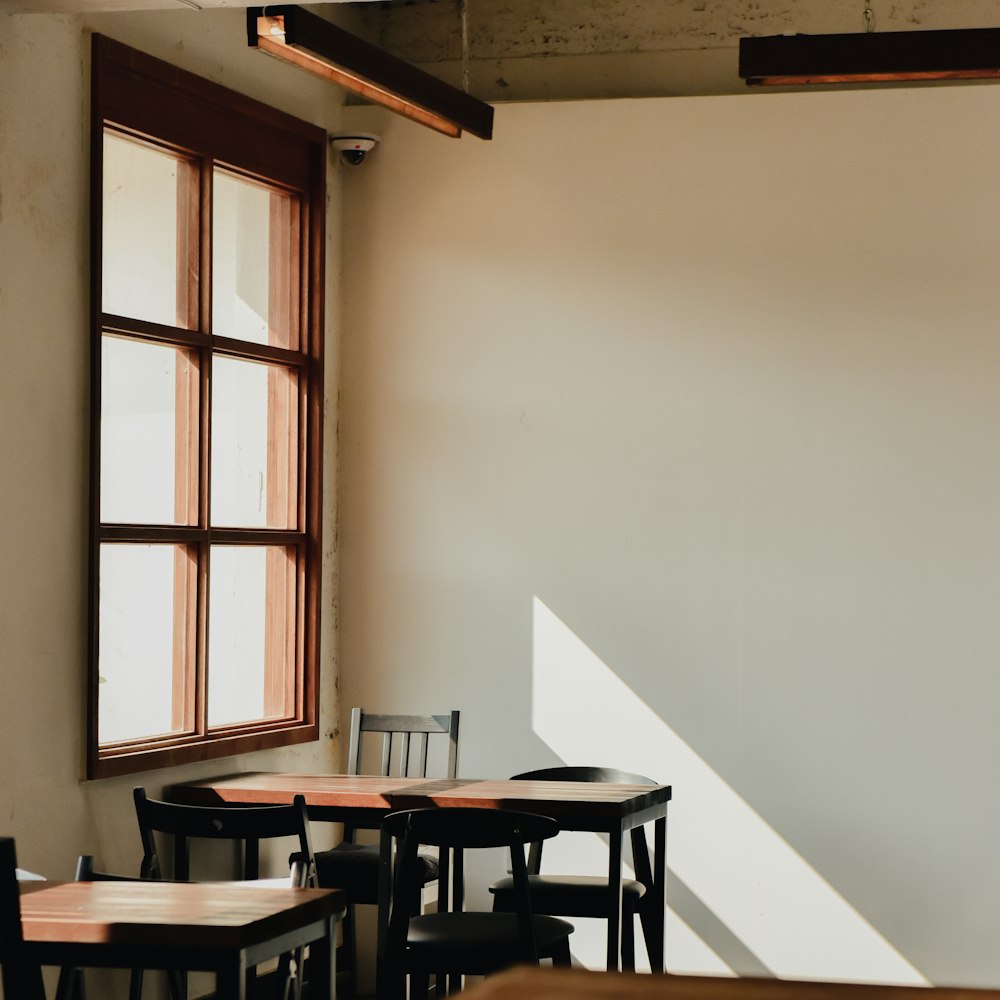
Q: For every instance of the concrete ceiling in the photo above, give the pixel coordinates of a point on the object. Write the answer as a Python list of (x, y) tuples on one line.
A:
[(113, 6), (516, 50)]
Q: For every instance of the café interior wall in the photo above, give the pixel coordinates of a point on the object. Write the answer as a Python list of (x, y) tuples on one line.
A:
[(668, 442), (44, 390)]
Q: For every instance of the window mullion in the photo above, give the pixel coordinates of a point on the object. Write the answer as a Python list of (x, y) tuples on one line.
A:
[(185, 637), (189, 257), (189, 399), (200, 685), (282, 464)]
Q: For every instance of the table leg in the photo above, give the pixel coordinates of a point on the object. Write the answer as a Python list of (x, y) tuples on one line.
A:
[(615, 900), (70, 985), (231, 979), (323, 965)]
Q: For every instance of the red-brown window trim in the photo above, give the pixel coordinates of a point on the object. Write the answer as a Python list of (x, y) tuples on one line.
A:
[(147, 98)]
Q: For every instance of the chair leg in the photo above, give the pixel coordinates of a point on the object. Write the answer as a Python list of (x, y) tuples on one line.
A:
[(420, 985), (349, 945), (628, 941), (70, 985), (561, 955), (177, 982), (135, 985), (289, 976)]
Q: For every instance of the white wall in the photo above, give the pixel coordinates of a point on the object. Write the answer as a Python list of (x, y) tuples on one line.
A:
[(44, 439), (668, 437), (669, 443)]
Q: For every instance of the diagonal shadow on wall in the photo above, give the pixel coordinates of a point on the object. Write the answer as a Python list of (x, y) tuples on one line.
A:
[(744, 893), (716, 935)]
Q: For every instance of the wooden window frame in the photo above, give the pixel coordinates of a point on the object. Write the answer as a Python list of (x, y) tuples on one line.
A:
[(147, 99)]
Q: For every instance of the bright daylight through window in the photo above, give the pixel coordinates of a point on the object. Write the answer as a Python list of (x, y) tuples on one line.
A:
[(207, 390)]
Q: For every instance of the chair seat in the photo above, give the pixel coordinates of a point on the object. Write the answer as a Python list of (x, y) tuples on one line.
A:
[(573, 895), (478, 943), (354, 868), (268, 883)]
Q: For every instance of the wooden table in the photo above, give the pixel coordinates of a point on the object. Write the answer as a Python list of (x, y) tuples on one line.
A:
[(578, 984), (611, 809), (223, 928)]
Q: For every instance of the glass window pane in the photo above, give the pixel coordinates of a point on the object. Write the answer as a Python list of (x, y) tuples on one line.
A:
[(254, 444), (251, 656), (144, 227), (142, 640), (149, 465), (254, 262)]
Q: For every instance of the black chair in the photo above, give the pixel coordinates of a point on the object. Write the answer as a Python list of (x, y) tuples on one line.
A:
[(403, 744), (452, 943), (71, 983), (587, 895), (22, 978), (245, 825)]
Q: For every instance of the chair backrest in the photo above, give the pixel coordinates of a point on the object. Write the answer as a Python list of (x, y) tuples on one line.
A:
[(404, 742), (86, 872), (606, 775), (461, 828), (458, 830), (609, 775), (22, 978), (244, 824)]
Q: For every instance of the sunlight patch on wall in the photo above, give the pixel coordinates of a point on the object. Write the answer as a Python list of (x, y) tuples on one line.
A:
[(765, 898)]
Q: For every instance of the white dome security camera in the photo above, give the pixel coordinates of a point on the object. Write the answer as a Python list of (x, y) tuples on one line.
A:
[(354, 148)]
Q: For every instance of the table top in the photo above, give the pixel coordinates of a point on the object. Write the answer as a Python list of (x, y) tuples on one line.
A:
[(580, 984), (555, 798), (192, 915)]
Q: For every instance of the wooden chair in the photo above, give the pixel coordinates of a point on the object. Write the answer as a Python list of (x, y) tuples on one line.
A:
[(456, 942), (403, 744), (587, 895), (246, 825), (22, 978)]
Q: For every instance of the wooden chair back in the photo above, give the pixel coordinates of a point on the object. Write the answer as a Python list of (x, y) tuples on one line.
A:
[(396, 745), (247, 825), (22, 978), (403, 744)]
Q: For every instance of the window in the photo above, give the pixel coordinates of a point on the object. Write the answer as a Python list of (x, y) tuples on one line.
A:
[(207, 404)]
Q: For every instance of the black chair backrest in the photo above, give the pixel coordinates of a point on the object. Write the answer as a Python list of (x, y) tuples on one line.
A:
[(246, 824), (609, 775), (22, 979), (473, 828), (606, 775), (459, 829), (404, 742), (85, 872), (71, 977)]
